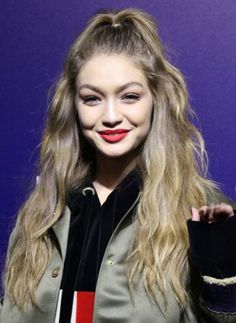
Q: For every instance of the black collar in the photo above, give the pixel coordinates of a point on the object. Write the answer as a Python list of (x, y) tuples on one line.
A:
[(124, 194)]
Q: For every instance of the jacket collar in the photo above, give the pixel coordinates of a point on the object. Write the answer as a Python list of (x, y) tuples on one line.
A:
[(128, 192)]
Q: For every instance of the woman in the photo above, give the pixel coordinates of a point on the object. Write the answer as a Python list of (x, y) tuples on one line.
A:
[(103, 237)]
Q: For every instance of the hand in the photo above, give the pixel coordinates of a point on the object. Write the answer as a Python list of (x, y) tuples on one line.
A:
[(212, 213)]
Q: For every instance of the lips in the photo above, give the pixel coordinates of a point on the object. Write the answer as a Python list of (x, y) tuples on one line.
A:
[(115, 131), (113, 135)]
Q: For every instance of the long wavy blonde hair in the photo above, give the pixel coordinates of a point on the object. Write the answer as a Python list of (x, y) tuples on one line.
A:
[(172, 164)]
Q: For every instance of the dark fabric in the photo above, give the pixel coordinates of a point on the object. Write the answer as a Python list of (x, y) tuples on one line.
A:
[(220, 299), (213, 253), (91, 227), (213, 247)]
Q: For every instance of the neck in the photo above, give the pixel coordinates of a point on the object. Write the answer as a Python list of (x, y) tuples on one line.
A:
[(110, 172)]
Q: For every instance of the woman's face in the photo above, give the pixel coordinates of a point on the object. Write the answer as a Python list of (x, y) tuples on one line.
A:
[(114, 105)]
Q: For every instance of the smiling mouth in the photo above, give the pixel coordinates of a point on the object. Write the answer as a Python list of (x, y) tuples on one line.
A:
[(113, 136)]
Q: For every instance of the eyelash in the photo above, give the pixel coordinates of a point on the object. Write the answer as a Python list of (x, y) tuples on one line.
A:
[(133, 97), (92, 98), (89, 98)]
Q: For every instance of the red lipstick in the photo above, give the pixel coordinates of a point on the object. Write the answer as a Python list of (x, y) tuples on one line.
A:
[(113, 135)]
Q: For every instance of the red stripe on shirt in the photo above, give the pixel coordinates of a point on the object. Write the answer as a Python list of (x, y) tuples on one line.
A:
[(84, 308)]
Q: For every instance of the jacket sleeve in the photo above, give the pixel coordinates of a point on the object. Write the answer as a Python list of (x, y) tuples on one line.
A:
[(212, 259), (212, 262)]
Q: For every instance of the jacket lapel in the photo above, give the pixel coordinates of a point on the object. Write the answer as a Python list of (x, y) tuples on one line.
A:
[(61, 230)]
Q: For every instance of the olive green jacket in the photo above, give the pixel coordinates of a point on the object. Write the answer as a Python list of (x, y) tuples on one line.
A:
[(112, 300)]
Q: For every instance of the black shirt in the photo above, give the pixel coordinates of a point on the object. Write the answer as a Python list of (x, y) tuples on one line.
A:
[(91, 227)]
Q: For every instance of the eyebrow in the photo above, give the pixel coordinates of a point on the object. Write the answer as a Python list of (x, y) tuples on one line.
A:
[(121, 88)]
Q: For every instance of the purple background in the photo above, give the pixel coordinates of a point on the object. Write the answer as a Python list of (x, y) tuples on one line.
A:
[(201, 39)]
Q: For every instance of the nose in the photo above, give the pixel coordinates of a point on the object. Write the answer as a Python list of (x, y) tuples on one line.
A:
[(112, 114)]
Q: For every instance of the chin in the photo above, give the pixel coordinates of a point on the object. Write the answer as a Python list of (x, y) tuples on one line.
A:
[(113, 155)]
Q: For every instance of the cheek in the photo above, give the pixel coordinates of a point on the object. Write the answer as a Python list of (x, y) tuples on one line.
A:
[(145, 121), (142, 117), (87, 119)]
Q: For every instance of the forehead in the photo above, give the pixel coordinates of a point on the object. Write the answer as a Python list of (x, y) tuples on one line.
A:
[(107, 69)]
